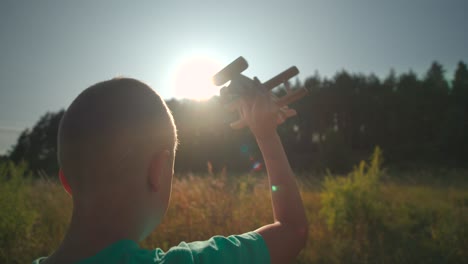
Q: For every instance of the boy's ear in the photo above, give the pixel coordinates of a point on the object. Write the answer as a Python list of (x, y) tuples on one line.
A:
[(64, 182), (157, 169)]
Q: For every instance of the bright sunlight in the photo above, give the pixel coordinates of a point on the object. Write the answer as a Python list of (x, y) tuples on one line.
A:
[(192, 79)]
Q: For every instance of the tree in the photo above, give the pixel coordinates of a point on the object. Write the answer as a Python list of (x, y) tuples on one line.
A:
[(460, 84), (38, 147), (457, 117), (340, 122), (435, 106)]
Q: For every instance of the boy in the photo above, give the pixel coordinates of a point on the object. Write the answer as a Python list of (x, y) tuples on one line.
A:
[(116, 149)]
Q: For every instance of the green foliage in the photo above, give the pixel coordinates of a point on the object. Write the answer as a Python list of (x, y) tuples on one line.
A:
[(38, 147), (16, 218), (373, 222), (354, 199)]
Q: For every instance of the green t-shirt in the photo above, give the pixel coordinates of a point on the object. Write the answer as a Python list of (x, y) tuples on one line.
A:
[(246, 248)]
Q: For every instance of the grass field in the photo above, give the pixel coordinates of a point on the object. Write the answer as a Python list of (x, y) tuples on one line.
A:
[(369, 216)]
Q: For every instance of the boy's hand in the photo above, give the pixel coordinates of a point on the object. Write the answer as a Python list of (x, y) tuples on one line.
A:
[(261, 113)]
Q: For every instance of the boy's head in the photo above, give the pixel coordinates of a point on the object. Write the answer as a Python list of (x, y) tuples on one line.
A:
[(116, 148)]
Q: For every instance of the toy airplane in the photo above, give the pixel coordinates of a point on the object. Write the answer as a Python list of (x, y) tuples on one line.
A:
[(242, 85)]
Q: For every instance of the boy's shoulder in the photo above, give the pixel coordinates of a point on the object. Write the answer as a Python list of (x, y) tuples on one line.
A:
[(246, 248)]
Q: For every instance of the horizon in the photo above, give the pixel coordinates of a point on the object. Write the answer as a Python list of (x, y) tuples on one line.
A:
[(52, 50)]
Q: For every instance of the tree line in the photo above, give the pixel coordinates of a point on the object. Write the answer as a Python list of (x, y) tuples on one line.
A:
[(417, 121)]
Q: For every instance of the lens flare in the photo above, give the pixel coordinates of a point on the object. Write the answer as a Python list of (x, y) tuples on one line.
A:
[(244, 149), (257, 166)]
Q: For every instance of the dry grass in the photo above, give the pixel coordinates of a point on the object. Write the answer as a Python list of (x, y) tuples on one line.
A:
[(203, 206)]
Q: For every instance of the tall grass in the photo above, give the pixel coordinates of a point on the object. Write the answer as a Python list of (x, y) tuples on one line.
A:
[(363, 217), (372, 222), (16, 220)]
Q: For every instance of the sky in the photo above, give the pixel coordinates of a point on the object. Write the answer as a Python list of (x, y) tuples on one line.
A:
[(50, 51)]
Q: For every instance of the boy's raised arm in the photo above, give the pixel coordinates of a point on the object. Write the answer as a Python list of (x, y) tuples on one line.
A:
[(286, 237)]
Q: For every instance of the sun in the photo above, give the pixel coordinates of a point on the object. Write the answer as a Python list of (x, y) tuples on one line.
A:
[(193, 78)]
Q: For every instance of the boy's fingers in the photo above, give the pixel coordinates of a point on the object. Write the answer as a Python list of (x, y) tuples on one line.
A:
[(238, 124), (289, 113), (285, 113), (281, 118)]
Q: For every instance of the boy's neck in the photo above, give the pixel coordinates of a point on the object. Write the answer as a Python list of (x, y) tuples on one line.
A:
[(92, 229)]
